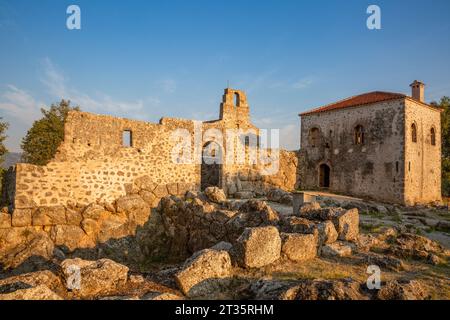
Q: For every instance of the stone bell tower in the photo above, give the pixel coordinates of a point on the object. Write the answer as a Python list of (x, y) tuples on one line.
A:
[(234, 108)]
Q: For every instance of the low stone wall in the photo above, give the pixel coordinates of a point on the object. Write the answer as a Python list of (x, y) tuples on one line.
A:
[(75, 226)]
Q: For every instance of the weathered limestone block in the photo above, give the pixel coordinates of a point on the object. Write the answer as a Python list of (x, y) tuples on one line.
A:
[(257, 247), (337, 249), (115, 226), (93, 211), (150, 198), (403, 290), (295, 224), (70, 236), (103, 276), (5, 220), (243, 195), (308, 209), (160, 191), (21, 244), (21, 217), (327, 232), (299, 247), (172, 188), (49, 216), (201, 272), (40, 292), (145, 183), (215, 194), (33, 279), (347, 224), (137, 210), (90, 227), (73, 217)]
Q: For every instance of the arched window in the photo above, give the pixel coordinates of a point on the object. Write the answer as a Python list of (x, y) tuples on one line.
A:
[(314, 137), (433, 136), (236, 99), (359, 134), (414, 132)]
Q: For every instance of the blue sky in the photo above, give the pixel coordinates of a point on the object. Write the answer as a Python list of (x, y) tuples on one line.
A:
[(148, 59)]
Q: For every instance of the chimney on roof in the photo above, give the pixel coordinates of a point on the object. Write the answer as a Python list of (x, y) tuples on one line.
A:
[(418, 91)]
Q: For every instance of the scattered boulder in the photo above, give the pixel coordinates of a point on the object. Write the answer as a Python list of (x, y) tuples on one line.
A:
[(201, 272), (20, 245), (30, 280), (40, 292), (385, 262), (99, 277), (243, 195), (299, 247), (222, 246), (327, 232), (342, 289), (269, 289), (308, 209), (347, 224), (337, 249), (215, 194), (402, 290), (295, 224), (257, 247), (280, 196), (408, 245)]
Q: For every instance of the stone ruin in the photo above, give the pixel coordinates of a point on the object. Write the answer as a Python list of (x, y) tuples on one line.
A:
[(110, 172)]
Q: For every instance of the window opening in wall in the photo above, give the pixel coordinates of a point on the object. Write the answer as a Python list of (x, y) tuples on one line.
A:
[(414, 132), (314, 136), (359, 134), (409, 166), (236, 99), (127, 138), (433, 137)]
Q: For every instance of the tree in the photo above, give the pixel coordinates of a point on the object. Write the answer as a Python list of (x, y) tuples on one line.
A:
[(444, 104), (43, 139)]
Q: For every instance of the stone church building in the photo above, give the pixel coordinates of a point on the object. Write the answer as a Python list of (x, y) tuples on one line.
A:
[(379, 145)]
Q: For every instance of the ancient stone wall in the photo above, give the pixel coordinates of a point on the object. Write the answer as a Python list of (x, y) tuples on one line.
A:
[(372, 169), (422, 157)]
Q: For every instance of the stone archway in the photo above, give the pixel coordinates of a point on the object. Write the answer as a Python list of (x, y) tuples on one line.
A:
[(211, 168), (324, 176)]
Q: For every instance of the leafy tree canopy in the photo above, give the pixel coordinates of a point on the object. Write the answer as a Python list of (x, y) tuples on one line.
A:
[(43, 139)]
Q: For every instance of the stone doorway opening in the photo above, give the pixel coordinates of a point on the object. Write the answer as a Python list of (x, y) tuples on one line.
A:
[(211, 168), (324, 176)]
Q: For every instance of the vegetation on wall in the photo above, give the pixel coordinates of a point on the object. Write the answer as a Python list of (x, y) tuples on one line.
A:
[(3, 150), (43, 139), (444, 103)]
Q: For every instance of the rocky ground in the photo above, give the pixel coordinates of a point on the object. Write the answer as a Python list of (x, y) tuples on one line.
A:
[(204, 246)]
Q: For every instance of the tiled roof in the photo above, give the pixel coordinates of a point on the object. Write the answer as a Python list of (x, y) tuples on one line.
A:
[(362, 99)]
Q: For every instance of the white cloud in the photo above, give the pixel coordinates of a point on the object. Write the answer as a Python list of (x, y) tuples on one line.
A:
[(57, 86), (20, 105), (302, 83), (168, 85)]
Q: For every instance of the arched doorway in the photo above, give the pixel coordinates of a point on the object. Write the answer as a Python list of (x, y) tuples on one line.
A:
[(324, 176), (211, 169)]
